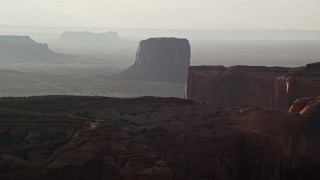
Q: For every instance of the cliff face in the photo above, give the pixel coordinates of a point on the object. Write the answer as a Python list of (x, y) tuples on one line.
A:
[(298, 83), (160, 59), (272, 87), (234, 86), (152, 138)]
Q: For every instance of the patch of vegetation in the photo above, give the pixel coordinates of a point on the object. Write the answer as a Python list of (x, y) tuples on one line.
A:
[(133, 140), (126, 124), (154, 135), (154, 110), (270, 111), (19, 115), (209, 125), (193, 115), (6, 140), (317, 81), (232, 123), (49, 101), (18, 140), (216, 114), (176, 118), (129, 113), (169, 120), (133, 114), (85, 115)]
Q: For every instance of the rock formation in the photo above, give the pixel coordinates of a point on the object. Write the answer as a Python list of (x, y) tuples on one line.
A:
[(306, 107), (16, 40), (89, 38), (160, 59), (273, 87), (23, 49), (54, 137)]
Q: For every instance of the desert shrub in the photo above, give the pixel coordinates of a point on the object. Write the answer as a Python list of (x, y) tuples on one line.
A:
[(85, 115)]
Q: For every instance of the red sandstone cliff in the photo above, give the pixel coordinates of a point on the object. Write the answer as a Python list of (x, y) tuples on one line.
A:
[(272, 87)]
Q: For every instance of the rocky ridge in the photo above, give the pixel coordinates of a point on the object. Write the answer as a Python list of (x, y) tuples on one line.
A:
[(68, 137)]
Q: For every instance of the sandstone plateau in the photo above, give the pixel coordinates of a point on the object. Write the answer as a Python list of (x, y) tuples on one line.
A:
[(69, 137), (160, 59), (272, 87)]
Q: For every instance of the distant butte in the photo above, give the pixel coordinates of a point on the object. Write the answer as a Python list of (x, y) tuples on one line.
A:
[(89, 38), (160, 59)]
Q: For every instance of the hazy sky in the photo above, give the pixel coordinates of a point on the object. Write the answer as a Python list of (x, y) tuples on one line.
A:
[(196, 14)]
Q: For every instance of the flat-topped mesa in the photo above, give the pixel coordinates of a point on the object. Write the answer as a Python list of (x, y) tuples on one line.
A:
[(160, 59), (89, 37), (273, 87)]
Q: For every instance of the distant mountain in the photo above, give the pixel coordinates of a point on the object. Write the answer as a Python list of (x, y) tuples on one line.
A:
[(49, 33), (197, 34), (90, 38), (22, 49), (222, 34)]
